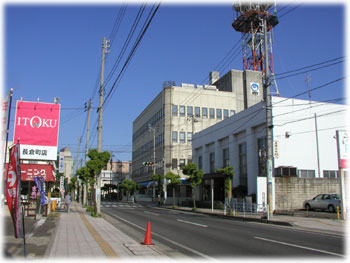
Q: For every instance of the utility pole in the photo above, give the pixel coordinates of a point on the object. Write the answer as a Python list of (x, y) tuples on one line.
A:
[(88, 106), (87, 132), (76, 167), (154, 156), (269, 127), (317, 148), (100, 114)]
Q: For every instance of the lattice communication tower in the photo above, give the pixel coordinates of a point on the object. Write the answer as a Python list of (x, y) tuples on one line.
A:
[(250, 17)]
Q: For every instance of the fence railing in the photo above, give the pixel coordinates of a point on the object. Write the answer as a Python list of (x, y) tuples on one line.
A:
[(244, 208)]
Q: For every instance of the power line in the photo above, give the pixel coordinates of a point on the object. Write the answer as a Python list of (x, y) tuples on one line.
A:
[(314, 65), (292, 75), (319, 87), (287, 12), (131, 54), (307, 118)]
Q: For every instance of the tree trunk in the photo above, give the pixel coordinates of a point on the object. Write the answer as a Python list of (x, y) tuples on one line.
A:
[(194, 199), (95, 199), (174, 195)]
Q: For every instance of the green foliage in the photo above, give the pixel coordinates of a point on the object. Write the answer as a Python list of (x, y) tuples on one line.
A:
[(227, 172), (97, 162), (194, 174), (174, 178), (159, 178), (90, 209), (84, 174), (128, 185), (195, 177)]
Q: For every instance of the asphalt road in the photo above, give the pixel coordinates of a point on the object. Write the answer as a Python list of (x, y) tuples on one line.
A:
[(210, 237)]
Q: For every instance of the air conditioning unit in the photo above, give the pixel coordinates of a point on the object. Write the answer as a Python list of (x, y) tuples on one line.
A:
[(285, 171)]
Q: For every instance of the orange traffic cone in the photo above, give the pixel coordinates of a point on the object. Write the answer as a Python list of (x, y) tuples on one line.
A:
[(147, 240)]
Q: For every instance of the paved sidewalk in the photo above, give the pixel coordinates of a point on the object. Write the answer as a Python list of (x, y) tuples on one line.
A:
[(79, 235)]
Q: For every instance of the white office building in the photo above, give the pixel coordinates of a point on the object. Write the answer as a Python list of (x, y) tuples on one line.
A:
[(304, 145)]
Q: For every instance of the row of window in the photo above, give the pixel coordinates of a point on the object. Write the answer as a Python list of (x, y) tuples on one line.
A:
[(213, 113), (312, 173), (242, 162), (151, 122), (181, 137), (148, 147)]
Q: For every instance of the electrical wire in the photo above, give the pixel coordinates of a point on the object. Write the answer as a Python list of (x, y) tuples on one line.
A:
[(131, 54)]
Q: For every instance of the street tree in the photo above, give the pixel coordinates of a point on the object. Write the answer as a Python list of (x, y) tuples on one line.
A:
[(128, 186), (85, 176), (174, 181), (195, 178), (158, 178), (98, 160), (72, 186)]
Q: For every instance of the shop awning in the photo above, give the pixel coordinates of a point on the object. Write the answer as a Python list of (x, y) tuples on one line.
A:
[(29, 171)]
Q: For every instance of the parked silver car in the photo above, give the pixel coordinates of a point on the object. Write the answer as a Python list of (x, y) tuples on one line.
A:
[(328, 202)]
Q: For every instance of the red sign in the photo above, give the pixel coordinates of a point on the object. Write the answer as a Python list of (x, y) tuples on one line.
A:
[(29, 171), (13, 190), (36, 126)]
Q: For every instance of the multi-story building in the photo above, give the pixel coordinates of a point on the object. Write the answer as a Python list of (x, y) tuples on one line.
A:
[(163, 132), (68, 169), (116, 172), (304, 149)]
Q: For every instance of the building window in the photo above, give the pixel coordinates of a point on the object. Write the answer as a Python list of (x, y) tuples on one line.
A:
[(189, 111), (182, 163), (225, 114), (212, 113), (182, 137), (225, 157), (212, 162), (197, 111), (182, 111), (174, 110), (200, 163), (242, 150), (205, 112), (232, 112), (262, 156), (219, 114), (307, 173), (330, 174), (174, 164), (189, 137), (174, 136)]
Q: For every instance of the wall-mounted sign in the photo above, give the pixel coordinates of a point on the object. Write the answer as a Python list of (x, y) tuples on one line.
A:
[(36, 128), (254, 88)]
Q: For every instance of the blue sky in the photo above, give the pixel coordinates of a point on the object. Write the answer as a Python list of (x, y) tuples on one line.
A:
[(55, 51)]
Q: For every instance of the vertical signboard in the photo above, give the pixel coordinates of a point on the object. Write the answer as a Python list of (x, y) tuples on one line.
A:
[(61, 162), (344, 150), (343, 163), (13, 190), (36, 126)]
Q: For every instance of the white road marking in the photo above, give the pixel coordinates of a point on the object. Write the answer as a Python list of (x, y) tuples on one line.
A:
[(166, 239), (192, 223), (307, 248), (151, 213), (300, 229)]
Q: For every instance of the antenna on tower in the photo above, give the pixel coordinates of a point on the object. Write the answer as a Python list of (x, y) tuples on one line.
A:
[(250, 22)]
